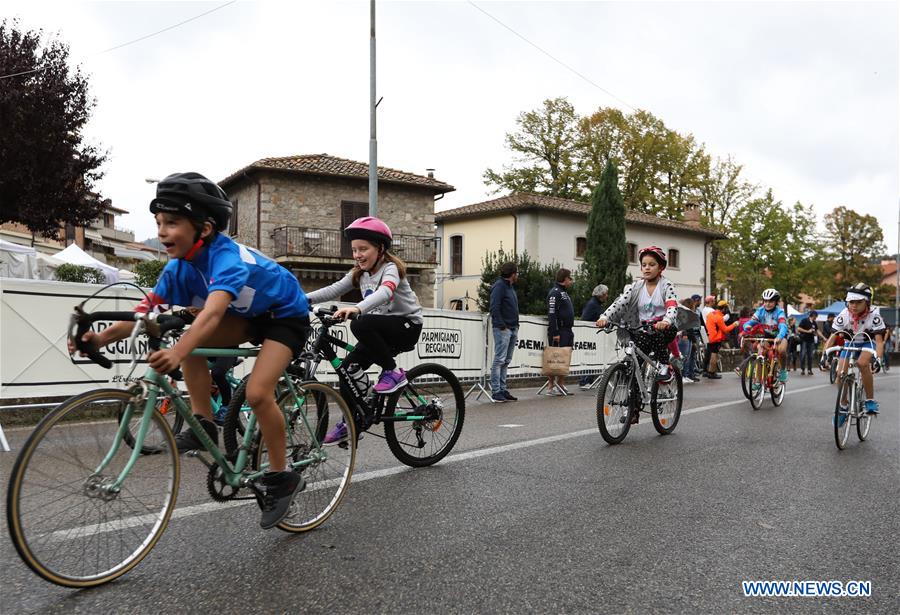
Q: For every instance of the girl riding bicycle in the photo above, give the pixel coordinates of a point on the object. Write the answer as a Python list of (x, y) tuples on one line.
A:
[(773, 321), (652, 301), (388, 320), (245, 296), (857, 319)]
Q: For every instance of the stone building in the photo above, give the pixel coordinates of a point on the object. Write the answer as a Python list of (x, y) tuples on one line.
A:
[(294, 208)]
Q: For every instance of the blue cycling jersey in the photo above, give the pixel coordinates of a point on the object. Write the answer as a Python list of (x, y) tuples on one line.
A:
[(257, 284), (769, 321)]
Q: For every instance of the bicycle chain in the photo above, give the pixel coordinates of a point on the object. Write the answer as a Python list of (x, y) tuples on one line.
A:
[(219, 490)]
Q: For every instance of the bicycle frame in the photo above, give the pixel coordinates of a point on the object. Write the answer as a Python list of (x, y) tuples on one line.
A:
[(769, 357), (324, 348), (632, 356), (150, 387)]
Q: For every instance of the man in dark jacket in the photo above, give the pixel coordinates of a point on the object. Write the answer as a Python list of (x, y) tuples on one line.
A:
[(591, 312), (504, 310), (560, 321)]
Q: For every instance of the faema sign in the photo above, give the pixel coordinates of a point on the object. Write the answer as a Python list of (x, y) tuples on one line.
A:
[(440, 344)]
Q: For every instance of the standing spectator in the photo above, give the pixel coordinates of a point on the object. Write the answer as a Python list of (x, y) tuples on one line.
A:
[(686, 346), (708, 308), (504, 309), (717, 330), (697, 337), (888, 348), (808, 330), (560, 320), (592, 310), (793, 344), (828, 326)]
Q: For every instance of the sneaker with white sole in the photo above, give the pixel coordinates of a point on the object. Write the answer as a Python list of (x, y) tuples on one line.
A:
[(390, 381)]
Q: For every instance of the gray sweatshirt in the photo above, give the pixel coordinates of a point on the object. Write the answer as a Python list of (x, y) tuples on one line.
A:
[(383, 293)]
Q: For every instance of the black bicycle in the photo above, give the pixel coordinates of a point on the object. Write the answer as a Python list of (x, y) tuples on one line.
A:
[(422, 420)]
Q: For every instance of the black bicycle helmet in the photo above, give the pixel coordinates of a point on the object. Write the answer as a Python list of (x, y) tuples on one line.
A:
[(194, 196)]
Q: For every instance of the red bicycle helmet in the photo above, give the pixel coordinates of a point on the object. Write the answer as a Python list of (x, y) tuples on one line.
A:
[(370, 229), (657, 253)]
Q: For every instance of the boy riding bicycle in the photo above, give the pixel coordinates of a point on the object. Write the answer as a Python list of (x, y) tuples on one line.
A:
[(245, 297), (773, 321), (859, 319), (388, 320)]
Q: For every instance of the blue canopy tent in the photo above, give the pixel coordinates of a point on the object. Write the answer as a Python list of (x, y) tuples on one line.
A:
[(835, 308)]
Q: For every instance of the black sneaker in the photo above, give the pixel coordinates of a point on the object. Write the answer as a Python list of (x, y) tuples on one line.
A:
[(509, 396), (187, 441), (275, 490), (499, 398)]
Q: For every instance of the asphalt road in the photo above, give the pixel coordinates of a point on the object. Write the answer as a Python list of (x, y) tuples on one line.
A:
[(534, 512)]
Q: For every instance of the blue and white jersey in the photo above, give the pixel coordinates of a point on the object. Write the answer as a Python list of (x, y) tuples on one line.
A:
[(769, 321), (257, 284)]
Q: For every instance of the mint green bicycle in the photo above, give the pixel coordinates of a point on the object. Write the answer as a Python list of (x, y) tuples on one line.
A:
[(84, 506)]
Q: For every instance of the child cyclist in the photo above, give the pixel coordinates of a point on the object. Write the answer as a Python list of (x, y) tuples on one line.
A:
[(245, 297), (772, 318), (388, 320), (857, 318), (649, 301)]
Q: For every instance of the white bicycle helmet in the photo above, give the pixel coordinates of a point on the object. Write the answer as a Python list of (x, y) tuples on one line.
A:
[(770, 294)]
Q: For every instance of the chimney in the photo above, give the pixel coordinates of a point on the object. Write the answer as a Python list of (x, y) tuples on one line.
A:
[(430, 173), (692, 213)]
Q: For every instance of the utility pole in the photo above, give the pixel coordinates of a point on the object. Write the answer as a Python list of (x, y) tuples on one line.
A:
[(373, 142)]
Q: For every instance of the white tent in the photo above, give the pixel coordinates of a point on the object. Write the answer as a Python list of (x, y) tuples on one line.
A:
[(792, 311), (17, 261), (47, 266), (76, 256)]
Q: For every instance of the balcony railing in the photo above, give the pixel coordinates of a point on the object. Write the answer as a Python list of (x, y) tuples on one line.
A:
[(330, 243)]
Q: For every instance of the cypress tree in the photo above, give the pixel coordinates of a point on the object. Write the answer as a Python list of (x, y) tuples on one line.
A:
[(606, 258)]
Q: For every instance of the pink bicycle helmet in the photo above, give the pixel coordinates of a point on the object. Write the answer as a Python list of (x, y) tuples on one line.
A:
[(657, 253), (370, 229)]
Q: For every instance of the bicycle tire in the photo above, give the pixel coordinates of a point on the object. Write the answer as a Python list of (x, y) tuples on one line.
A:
[(778, 389), (758, 383), (863, 423), (665, 422), (167, 410), (445, 412), (328, 476), (832, 371), (615, 408), (745, 371), (842, 430), (88, 523)]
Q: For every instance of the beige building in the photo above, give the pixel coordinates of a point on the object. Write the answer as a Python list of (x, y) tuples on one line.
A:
[(294, 208), (103, 239), (553, 229)]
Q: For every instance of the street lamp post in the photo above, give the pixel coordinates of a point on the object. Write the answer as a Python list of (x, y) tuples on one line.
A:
[(151, 180)]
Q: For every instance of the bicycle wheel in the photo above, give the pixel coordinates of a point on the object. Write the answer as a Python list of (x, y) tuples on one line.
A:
[(615, 403), (64, 522), (329, 467), (832, 372), (746, 371), (758, 383), (778, 387), (842, 419), (665, 404), (152, 445), (435, 393), (863, 419), (236, 419)]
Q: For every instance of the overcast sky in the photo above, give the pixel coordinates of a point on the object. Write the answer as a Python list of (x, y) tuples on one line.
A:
[(804, 95)]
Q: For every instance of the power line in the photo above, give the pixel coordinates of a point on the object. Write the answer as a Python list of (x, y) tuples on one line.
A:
[(552, 57), (137, 40)]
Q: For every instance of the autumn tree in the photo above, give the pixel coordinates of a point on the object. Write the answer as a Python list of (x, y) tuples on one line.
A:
[(853, 245), (47, 170)]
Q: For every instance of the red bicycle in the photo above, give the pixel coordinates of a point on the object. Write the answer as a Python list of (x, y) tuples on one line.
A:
[(759, 372)]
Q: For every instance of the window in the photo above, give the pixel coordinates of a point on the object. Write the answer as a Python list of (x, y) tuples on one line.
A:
[(674, 258), (632, 253), (580, 246), (456, 255), (350, 211)]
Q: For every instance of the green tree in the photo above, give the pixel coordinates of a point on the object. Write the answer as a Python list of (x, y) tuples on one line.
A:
[(535, 281), (802, 262), (47, 171), (546, 162), (68, 272), (853, 244), (146, 273), (606, 253)]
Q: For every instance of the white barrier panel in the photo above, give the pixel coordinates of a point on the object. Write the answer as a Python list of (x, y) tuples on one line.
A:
[(34, 362), (591, 351)]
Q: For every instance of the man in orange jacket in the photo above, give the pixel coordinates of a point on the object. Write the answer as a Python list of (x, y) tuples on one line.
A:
[(716, 330)]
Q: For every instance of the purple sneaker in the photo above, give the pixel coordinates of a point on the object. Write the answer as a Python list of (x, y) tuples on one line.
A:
[(389, 382), (337, 434)]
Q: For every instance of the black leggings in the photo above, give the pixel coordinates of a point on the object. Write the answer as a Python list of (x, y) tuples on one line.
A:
[(380, 338), (655, 343), (218, 372)]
